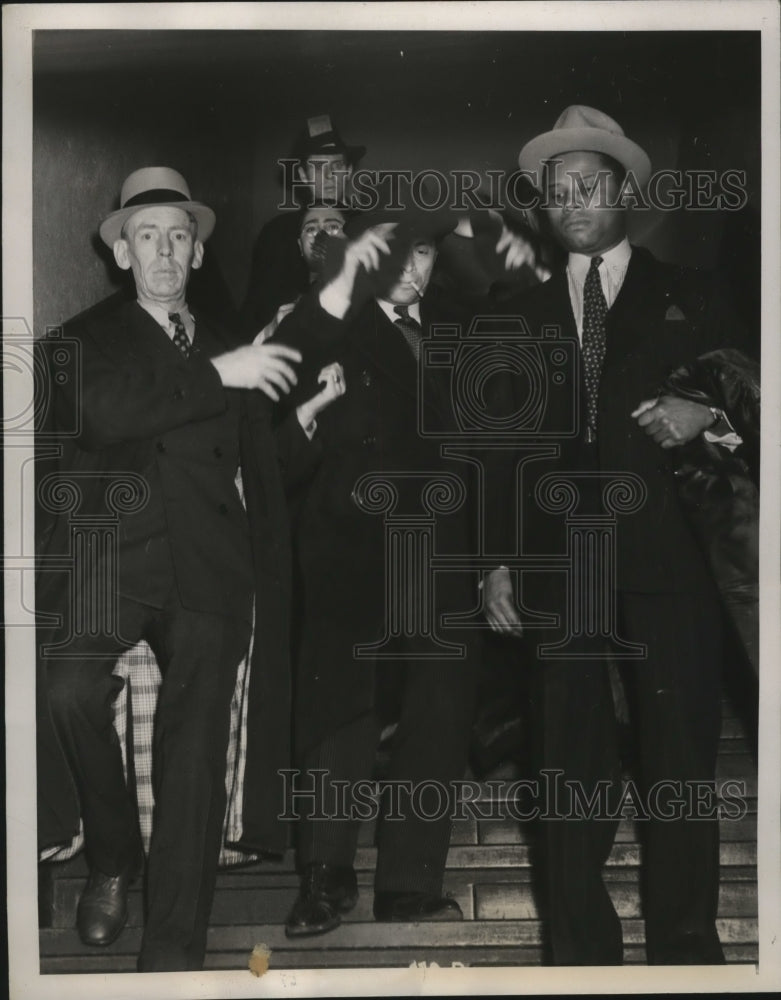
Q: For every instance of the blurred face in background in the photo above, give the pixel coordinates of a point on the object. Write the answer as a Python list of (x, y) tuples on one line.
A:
[(328, 175), (316, 220)]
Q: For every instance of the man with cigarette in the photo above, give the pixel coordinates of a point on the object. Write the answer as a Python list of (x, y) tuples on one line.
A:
[(344, 700)]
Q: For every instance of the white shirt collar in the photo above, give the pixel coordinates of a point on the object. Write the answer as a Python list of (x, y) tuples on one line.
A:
[(388, 309), (615, 259)]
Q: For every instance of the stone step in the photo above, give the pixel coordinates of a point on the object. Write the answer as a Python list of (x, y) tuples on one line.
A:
[(498, 896), (371, 935), (738, 854)]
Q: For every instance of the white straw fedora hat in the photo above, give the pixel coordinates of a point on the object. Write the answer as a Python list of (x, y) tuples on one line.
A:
[(579, 127), (155, 186)]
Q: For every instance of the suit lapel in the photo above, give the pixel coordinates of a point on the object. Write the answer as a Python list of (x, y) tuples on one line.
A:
[(376, 337), (639, 305), (134, 333)]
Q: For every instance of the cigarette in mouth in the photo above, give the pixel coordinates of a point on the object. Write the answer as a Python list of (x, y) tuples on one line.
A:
[(417, 290)]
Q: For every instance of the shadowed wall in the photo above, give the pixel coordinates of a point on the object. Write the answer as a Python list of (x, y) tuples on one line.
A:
[(223, 106)]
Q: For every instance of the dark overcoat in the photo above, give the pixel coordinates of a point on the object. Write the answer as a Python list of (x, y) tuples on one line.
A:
[(131, 405), (375, 428)]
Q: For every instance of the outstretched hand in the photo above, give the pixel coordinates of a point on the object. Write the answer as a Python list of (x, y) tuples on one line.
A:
[(259, 366), (517, 250)]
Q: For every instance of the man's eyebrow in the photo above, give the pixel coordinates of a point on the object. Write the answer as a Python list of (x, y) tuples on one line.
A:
[(156, 225), (583, 177)]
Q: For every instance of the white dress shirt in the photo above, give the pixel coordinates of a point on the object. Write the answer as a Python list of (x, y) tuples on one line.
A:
[(612, 272)]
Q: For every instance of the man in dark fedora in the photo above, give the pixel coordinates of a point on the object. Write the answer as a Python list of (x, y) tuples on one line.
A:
[(174, 446), (278, 274), (344, 701), (630, 319)]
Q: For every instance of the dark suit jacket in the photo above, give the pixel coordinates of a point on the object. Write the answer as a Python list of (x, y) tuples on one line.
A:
[(664, 316), (278, 273), (340, 548), (141, 408)]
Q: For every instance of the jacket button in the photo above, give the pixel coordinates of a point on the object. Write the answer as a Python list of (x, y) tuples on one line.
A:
[(160, 447), (223, 508), (218, 452), (366, 378), (178, 394)]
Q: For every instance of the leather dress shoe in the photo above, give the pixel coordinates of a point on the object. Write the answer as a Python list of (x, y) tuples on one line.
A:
[(102, 911), (326, 892), (415, 906)]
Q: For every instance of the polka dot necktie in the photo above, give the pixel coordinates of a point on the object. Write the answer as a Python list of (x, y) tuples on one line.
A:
[(411, 329), (594, 341), (180, 337)]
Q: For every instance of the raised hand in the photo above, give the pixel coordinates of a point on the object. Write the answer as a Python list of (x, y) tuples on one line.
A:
[(364, 251)]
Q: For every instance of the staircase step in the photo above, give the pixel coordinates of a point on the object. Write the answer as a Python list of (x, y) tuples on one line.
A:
[(252, 896), (510, 831), (513, 902), (371, 935)]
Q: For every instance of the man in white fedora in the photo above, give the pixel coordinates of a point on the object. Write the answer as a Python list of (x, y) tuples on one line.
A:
[(630, 320), (170, 423)]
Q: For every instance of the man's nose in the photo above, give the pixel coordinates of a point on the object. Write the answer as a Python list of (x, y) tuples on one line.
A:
[(164, 247)]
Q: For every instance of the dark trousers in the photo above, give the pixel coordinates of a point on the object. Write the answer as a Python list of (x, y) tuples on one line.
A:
[(676, 697), (430, 744), (198, 655)]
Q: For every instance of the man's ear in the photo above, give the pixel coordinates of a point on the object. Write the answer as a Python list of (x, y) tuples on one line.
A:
[(121, 255), (197, 255), (300, 246), (303, 175)]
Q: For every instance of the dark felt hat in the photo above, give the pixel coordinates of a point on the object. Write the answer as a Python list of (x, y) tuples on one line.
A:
[(320, 137)]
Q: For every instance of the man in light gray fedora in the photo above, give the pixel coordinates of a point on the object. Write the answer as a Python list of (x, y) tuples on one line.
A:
[(166, 410), (629, 320)]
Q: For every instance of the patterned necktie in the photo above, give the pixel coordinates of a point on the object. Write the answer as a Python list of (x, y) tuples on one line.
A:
[(180, 337), (594, 341), (411, 329)]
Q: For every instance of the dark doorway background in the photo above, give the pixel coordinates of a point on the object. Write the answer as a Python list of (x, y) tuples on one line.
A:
[(223, 106)]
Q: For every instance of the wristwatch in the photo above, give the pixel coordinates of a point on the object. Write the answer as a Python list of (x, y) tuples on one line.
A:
[(720, 426)]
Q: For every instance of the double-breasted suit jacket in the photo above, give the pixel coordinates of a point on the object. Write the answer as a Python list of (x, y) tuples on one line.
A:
[(144, 411)]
